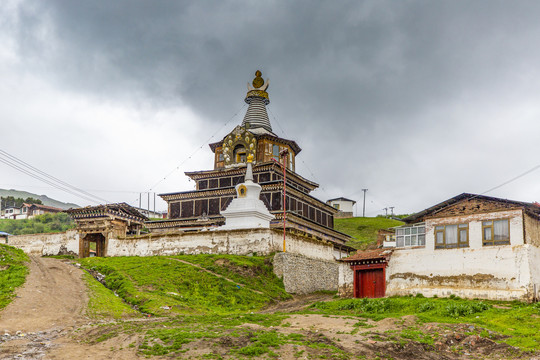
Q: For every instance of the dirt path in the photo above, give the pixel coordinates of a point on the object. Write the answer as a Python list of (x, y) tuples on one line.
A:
[(48, 306)]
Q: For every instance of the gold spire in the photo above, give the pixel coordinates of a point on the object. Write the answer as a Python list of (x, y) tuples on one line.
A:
[(258, 88)]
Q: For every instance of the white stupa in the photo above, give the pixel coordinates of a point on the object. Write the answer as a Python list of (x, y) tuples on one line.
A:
[(247, 211)]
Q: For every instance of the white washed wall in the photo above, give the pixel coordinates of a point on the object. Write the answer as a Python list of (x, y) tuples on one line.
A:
[(490, 272), (239, 242), (47, 244)]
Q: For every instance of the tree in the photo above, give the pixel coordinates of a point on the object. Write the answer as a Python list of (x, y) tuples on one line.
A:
[(18, 202)]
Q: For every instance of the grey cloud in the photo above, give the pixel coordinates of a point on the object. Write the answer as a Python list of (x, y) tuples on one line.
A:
[(355, 78)]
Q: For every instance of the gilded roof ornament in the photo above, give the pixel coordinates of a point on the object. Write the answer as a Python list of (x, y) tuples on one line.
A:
[(257, 88)]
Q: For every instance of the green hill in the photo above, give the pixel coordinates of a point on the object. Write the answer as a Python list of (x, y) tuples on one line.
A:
[(364, 230), (44, 198), (191, 284)]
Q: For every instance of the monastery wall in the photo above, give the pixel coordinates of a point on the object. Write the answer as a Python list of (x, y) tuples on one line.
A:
[(345, 280), (47, 244), (237, 242), (302, 275)]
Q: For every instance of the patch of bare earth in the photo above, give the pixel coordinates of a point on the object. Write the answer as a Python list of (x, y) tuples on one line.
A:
[(48, 308)]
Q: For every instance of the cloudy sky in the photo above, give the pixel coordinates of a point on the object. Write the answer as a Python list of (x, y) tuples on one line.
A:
[(418, 101)]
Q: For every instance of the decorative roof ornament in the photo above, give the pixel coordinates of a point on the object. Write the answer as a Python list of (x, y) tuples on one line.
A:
[(256, 118), (258, 88)]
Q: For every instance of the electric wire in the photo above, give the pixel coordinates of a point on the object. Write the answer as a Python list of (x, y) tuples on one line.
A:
[(50, 177), (37, 177), (194, 152), (511, 180), (301, 160)]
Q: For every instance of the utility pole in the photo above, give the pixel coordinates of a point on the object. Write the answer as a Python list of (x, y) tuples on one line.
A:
[(385, 212), (284, 154), (391, 211), (364, 206)]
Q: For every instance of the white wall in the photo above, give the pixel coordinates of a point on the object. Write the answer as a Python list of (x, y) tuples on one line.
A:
[(46, 244), (239, 242), (491, 272), (345, 206)]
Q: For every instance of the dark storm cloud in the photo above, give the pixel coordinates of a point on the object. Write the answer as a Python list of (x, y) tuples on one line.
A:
[(347, 76), (361, 61)]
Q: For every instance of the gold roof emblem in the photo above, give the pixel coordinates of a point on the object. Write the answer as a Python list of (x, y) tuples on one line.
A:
[(258, 81)]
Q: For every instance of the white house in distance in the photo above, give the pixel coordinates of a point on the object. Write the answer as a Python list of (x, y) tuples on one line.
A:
[(472, 246), (27, 211), (344, 205)]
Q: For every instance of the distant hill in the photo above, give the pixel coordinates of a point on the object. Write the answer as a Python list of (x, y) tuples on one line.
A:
[(364, 229), (44, 198)]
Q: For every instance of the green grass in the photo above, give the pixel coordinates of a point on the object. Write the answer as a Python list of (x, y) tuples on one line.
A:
[(520, 322), (163, 286), (103, 303), (13, 271), (46, 223), (363, 230)]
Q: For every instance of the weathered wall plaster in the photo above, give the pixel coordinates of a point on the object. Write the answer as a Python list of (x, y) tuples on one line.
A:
[(489, 272), (47, 244), (345, 280), (238, 242)]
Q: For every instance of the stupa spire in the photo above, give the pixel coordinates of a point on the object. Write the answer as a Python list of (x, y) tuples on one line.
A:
[(257, 98)]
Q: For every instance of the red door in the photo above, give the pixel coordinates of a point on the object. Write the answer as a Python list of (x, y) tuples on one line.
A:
[(370, 283)]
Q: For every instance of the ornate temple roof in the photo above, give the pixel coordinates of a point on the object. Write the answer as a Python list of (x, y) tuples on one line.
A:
[(120, 210)]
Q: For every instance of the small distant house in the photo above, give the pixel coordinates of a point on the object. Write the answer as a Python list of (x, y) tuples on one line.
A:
[(32, 210), (472, 246), (28, 211), (343, 205), (11, 212)]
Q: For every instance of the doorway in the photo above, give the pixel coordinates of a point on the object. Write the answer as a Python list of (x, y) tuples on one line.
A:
[(93, 245), (369, 282)]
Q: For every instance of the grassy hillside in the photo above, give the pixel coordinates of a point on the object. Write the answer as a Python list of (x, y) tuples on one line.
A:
[(46, 223), (13, 272), (44, 198), (514, 322), (363, 230), (168, 286)]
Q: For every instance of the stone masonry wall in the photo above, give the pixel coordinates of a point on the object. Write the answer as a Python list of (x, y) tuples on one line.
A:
[(302, 275)]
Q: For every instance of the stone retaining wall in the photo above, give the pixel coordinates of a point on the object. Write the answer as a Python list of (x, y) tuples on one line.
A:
[(302, 275)]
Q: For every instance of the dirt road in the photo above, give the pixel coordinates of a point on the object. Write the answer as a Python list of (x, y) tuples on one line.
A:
[(48, 306)]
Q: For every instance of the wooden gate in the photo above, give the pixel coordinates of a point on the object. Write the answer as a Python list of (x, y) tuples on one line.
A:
[(369, 280), (370, 283)]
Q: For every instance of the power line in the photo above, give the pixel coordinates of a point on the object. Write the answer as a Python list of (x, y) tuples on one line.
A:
[(58, 184), (194, 152), (303, 162), (50, 177), (512, 179)]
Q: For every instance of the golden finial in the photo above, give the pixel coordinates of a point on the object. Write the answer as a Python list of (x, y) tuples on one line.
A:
[(258, 81), (250, 158), (258, 88)]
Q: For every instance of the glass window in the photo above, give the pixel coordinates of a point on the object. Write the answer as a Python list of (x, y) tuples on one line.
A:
[(451, 236), (496, 232), (411, 235)]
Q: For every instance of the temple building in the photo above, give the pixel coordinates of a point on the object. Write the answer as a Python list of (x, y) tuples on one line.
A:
[(273, 159)]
